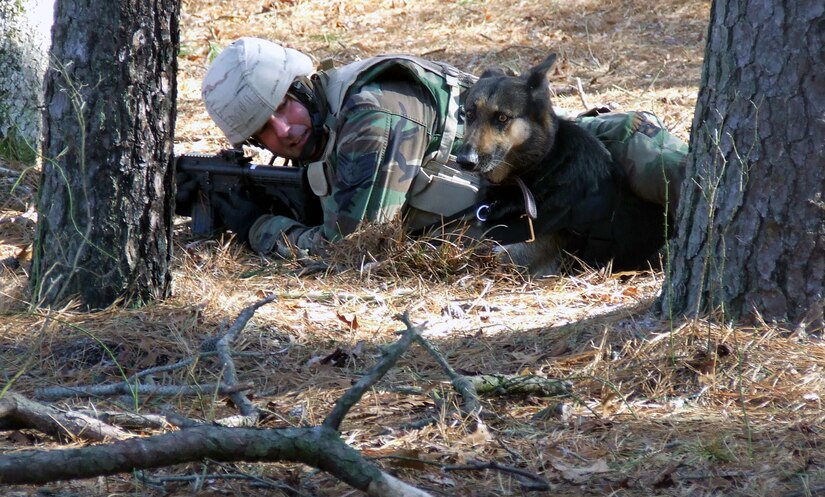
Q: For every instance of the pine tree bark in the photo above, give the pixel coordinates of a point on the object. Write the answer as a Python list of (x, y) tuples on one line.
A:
[(751, 223), (104, 226), (24, 45)]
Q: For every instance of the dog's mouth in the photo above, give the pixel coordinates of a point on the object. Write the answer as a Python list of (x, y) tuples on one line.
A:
[(495, 171), (483, 163)]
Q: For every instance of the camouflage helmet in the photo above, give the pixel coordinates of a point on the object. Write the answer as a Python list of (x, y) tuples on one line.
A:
[(247, 81)]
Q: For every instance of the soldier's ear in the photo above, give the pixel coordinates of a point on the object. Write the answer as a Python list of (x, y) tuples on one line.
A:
[(537, 77)]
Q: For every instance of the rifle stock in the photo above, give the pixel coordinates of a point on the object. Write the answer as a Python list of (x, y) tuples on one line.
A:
[(279, 190)]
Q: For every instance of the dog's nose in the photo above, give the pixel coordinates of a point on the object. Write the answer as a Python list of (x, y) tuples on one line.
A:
[(467, 159)]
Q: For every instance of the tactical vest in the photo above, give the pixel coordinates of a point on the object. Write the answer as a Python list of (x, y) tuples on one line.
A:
[(440, 189)]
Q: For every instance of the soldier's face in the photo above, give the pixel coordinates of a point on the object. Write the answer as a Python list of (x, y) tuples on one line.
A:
[(287, 131)]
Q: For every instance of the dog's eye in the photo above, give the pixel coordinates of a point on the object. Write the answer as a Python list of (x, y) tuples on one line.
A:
[(502, 118), (469, 115)]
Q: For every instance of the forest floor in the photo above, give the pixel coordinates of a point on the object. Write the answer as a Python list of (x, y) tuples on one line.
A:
[(658, 407)]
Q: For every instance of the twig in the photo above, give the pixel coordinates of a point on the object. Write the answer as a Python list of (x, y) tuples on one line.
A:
[(260, 479), (9, 172), (222, 346), (167, 368), (430, 53), (582, 95), (391, 356), (461, 383), (207, 350), (159, 481), (131, 387), (540, 483), (54, 393)]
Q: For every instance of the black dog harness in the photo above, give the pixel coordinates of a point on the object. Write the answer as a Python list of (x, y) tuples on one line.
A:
[(521, 232)]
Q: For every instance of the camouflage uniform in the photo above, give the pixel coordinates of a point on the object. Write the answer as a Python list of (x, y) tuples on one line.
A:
[(388, 124), (652, 158), (392, 120), (391, 124)]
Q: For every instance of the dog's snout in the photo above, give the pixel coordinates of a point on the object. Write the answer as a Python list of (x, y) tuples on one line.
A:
[(467, 159)]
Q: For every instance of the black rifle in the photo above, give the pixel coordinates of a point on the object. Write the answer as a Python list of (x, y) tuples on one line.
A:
[(280, 190)]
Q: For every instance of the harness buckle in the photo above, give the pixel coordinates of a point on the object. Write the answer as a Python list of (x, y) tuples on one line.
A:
[(483, 212)]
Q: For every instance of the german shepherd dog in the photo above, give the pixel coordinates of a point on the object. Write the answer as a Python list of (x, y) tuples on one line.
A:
[(555, 175)]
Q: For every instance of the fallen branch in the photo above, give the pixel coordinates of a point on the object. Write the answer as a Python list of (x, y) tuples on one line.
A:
[(198, 480), (320, 447), (220, 346), (246, 407), (130, 420), (461, 383), (470, 387), (510, 384), (391, 356), (582, 94), (537, 483), (17, 412), (54, 393)]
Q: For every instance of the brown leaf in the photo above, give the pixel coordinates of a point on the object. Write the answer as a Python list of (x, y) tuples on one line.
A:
[(630, 291), (352, 321)]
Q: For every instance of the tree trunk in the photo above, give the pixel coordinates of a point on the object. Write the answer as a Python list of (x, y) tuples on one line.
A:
[(751, 224), (24, 45), (104, 226)]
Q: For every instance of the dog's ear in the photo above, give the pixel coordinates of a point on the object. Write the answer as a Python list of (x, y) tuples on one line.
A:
[(537, 77), (539, 87), (496, 71)]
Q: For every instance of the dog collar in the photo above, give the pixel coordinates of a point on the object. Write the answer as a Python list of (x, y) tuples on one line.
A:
[(524, 234), (529, 199)]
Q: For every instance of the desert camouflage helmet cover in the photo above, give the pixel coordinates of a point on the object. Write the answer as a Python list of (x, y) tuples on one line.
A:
[(247, 81)]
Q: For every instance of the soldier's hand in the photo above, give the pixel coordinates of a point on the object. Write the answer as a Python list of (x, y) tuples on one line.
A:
[(238, 212), (186, 193)]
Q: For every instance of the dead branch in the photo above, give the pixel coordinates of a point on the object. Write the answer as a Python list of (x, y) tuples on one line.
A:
[(129, 420), (537, 483), (461, 383), (18, 412), (470, 387), (510, 384), (54, 393), (391, 356), (582, 94), (207, 350), (320, 447), (246, 407), (198, 480)]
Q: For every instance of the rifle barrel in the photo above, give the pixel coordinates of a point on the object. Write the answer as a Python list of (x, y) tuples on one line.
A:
[(259, 172)]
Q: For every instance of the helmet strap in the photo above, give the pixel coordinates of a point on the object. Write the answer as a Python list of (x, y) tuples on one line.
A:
[(303, 90)]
